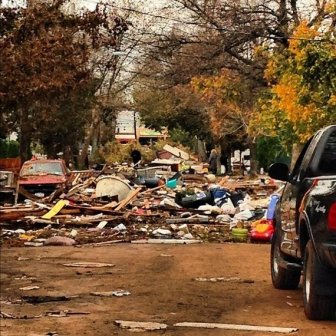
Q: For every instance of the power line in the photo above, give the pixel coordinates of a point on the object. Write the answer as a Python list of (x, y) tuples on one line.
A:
[(207, 26)]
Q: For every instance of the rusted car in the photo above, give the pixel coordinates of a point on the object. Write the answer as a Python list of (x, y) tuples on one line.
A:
[(39, 178)]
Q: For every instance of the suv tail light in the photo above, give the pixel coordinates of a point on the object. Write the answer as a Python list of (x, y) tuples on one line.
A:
[(332, 217)]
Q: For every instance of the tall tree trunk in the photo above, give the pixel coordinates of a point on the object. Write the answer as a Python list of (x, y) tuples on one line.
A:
[(113, 128), (296, 150), (25, 153), (84, 152), (95, 138), (219, 151), (199, 149), (24, 137), (67, 155), (253, 157)]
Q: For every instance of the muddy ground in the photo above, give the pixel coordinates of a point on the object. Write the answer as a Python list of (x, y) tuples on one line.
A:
[(161, 280)]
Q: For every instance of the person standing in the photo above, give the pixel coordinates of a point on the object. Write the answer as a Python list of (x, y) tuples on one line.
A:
[(136, 157), (213, 161), (224, 163)]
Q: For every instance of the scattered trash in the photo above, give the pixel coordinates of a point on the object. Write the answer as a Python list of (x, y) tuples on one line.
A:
[(117, 293), (28, 288), (120, 227), (59, 241), (239, 234), (73, 233), (7, 302), (161, 233), (64, 313), (140, 326), (165, 241), (88, 265), (102, 224), (4, 315), (33, 244), (262, 230), (223, 279)]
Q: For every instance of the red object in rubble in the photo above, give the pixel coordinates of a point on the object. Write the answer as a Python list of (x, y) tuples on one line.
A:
[(263, 231)]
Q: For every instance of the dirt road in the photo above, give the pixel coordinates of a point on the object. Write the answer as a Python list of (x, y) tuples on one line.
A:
[(161, 280)]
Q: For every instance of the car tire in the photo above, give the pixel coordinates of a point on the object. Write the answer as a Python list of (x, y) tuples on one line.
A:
[(282, 278), (316, 307)]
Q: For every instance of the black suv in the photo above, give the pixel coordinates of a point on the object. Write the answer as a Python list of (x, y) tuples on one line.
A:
[(305, 220)]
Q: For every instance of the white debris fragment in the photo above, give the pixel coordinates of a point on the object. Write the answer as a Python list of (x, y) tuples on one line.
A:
[(140, 326), (161, 232), (102, 224), (118, 293), (28, 288), (89, 265)]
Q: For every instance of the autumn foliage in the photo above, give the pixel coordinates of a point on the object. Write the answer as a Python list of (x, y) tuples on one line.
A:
[(227, 97), (301, 96), (47, 83)]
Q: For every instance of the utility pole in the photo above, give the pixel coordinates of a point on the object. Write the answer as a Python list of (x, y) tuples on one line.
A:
[(135, 126)]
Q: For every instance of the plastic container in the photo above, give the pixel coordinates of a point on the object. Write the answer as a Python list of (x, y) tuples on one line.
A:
[(152, 182), (239, 235), (271, 206), (172, 184), (263, 231)]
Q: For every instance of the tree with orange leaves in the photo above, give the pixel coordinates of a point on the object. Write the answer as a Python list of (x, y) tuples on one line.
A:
[(302, 95), (228, 98)]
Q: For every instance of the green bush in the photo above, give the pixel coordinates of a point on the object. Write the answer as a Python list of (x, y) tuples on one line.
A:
[(9, 149), (270, 150), (181, 136)]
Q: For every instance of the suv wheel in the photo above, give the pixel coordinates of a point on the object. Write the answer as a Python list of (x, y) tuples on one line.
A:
[(316, 307), (282, 278)]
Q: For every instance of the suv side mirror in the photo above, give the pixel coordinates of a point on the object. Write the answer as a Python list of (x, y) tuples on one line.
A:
[(279, 171)]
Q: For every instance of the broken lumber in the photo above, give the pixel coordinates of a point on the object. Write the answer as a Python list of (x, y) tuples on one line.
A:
[(242, 327), (128, 199)]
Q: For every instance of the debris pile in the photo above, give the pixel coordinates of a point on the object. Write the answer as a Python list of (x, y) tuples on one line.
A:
[(153, 204)]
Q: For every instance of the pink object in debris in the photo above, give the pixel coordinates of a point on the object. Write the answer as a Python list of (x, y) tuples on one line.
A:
[(59, 241)]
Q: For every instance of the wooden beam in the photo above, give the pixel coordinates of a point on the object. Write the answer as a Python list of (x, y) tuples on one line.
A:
[(242, 327)]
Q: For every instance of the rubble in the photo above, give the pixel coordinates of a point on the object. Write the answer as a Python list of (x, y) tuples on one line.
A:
[(109, 207), (4, 315)]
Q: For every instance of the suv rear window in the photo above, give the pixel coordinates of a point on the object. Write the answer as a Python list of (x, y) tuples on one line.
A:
[(327, 165), (42, 168)]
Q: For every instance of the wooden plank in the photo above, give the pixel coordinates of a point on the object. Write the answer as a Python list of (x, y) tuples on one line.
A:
[(94, 209), (177, 152), (242, 327), (55, 209), (128, 199), (149, 191), (79, 187), (16, 215)]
